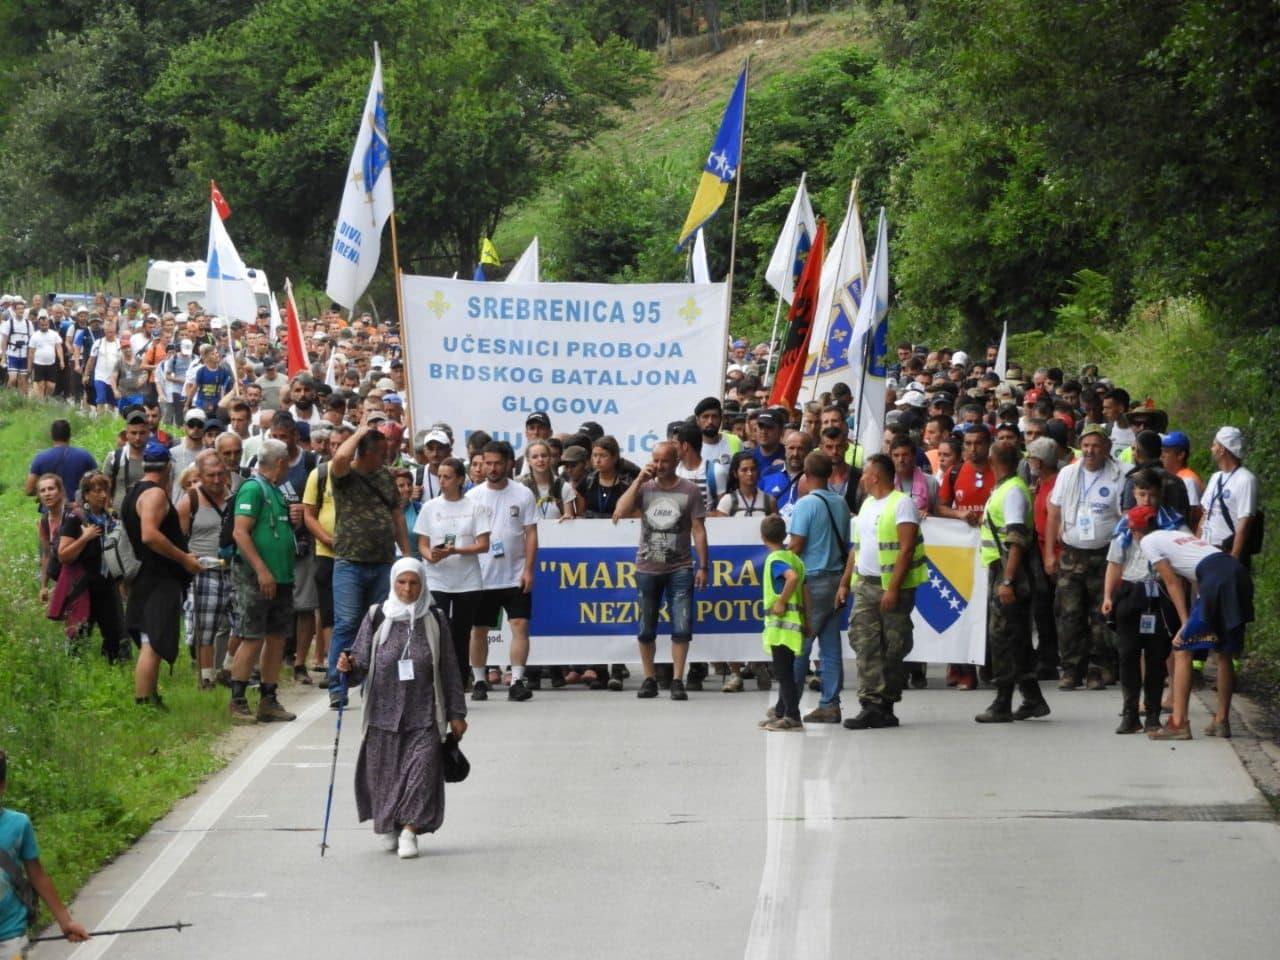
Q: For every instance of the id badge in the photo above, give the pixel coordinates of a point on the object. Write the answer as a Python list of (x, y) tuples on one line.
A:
[(498, 549), (1147, 624), (1084, 523), (406, 670), (1153, 590)]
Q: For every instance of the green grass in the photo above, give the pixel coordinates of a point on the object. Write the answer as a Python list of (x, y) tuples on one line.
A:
[(92, 770)]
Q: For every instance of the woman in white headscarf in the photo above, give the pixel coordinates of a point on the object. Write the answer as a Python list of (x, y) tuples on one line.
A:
[(413, 696)]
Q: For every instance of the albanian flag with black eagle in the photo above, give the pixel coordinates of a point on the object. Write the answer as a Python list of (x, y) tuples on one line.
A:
[(795, 341)]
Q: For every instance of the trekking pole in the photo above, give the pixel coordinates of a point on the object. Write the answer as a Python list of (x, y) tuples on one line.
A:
[(333, 766), (179, 927)]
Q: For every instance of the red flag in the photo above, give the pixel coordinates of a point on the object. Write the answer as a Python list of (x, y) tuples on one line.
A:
[(293, 334), (795, 344), (219, 201)]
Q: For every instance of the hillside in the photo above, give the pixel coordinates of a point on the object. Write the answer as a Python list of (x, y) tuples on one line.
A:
[(678, 118)]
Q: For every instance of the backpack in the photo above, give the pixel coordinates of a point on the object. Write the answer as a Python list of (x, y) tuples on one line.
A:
[(21, 886), (118, 555)]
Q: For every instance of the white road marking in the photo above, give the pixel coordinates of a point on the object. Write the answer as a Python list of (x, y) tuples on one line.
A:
[(184, 842)]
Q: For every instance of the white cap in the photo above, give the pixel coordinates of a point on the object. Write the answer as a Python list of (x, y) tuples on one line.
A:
[(959, 359), (186, 346), (913, 398), (43, 314), (1232, 439), (378, 362), (195, 413), (216, 323), (385, 383)]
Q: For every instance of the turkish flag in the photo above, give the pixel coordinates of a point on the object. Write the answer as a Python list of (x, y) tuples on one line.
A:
[(219, 201), (795, 343)]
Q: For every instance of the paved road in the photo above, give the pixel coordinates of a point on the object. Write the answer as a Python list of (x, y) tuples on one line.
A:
[(597, 825)]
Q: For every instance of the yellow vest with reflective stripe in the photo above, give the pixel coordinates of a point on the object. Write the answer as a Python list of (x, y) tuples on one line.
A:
[(888, 546), (788, 629), (994, 517)]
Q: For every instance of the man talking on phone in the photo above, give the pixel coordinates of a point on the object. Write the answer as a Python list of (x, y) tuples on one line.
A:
[(671, 511)]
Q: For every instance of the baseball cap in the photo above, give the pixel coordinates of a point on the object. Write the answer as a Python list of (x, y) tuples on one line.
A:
[(1094, 430), (960, 359), (392, 398), (434, 436), (1043, 449), (195, 415), (377, 362), (1232, 439), (767, 419), (268, 363), (1140, 518), (739, 343), (1175, 440), (215, 425), (155, 454), (913, 398), (135, 415), (186, 347), (574, 454), (539, 418), (385, 383)]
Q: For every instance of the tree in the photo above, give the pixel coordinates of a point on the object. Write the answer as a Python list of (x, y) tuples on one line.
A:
[(485, 100)]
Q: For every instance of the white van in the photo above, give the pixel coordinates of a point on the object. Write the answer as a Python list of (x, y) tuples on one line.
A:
[(172, 284)]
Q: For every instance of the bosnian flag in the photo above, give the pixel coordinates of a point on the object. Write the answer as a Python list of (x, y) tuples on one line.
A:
[(228, 289), (870, 344), (367, 202), (793, 244), (838, 304), (950, 616)]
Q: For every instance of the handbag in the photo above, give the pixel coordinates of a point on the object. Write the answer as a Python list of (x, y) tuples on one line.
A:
[(455, 764)]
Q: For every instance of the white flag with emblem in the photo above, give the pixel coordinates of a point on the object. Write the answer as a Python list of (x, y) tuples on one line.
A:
[(367, 202), (228, 289)]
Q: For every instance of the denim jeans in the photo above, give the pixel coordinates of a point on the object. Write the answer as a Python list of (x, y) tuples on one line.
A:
[(822, 595), (356, 587), (678, 585)]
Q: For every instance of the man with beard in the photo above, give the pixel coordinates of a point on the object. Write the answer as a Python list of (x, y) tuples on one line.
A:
[(303, 395), (717, 447)]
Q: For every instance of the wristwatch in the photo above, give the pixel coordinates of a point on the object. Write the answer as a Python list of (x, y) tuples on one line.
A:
[(1006, 582)]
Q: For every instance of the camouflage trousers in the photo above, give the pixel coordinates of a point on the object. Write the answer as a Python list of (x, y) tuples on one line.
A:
[(1013, 658), (1083, 636), (880, 641)]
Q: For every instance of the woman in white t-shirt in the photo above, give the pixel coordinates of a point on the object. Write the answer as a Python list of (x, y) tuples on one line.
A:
[(453, 531), (744, 496)]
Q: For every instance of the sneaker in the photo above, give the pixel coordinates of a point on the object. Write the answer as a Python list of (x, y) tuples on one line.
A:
[(519, 691), (823, 715), (270, 711), (323, 682), (389, 841), (678, 690), (407, 847), (336, 701), (480, 691), (1070, 680), (1094, 680), (785, 725), (240, 712), (301, 676), (1218, 729), (648, 689), (732, 684), (770, 715), (1170, 732), (615, 684)]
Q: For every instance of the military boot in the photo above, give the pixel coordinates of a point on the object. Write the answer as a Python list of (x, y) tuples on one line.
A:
[(1001, 709), (1129, 722), (1033, 702)]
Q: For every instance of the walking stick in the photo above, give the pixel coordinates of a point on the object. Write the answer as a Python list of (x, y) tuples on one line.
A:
[(179, 927), (333, 766)]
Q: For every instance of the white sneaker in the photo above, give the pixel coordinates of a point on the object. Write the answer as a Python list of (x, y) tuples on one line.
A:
[(408, 845), (389, 841)]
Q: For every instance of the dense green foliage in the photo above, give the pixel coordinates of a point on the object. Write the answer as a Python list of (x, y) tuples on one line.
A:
[(93, 770)]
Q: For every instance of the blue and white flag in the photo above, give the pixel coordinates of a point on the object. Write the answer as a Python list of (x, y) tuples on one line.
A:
[(228, 289), (367, 202), (793, 245), (950, 617), (844, 277), (871, 344)]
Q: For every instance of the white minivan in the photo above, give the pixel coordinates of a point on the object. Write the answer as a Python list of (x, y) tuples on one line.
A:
[(172, 284)]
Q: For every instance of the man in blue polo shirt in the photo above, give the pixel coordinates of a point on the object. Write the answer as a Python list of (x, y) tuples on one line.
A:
[(68, 462)]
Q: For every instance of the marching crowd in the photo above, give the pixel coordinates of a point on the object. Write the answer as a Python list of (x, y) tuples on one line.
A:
[(259, 516)]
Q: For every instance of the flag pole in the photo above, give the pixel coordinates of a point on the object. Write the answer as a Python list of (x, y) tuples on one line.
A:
[(838, 258), (404, 329), (733, 236), (773, 338)]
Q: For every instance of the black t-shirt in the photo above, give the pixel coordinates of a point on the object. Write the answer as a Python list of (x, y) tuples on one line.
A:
[(73, 525)]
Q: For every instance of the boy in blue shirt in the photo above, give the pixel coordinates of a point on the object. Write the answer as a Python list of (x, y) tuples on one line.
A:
[(19, 853)]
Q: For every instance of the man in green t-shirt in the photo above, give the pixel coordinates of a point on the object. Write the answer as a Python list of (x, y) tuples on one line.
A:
[(263, 580)]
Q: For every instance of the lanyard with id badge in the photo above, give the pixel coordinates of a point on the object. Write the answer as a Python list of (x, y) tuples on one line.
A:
[(404, 664), (1084, 517), (1147, 621)]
